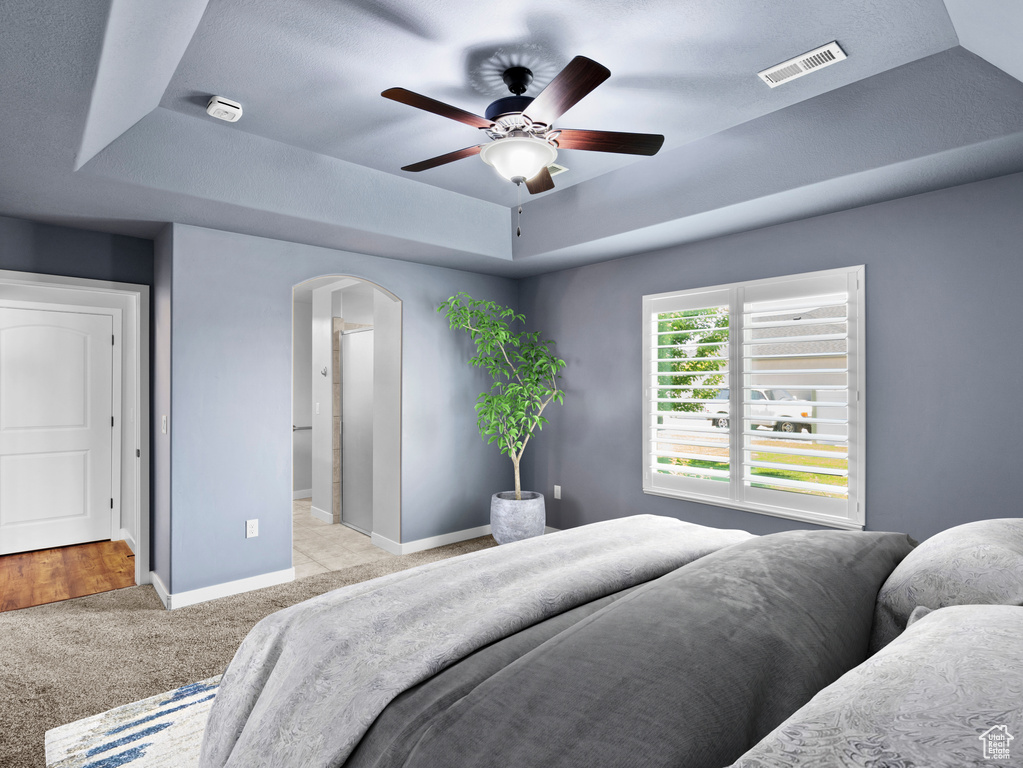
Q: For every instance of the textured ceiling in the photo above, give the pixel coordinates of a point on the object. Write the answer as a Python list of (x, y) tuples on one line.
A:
[(310, 73), (104, 126)]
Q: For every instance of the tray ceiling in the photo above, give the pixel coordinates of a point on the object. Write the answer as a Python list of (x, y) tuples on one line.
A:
[(106, 108)]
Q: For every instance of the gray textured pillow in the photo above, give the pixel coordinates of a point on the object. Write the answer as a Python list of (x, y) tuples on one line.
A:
[(975, 563), (945, 694)]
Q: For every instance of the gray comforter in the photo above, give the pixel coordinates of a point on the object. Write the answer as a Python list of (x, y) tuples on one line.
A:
[(308, 681), (689, 670)]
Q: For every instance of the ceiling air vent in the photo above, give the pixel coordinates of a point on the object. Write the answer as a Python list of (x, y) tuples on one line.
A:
[(555, 169), (802, 65)]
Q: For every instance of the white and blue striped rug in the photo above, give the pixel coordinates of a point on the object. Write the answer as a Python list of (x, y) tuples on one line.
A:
[(163, 731)]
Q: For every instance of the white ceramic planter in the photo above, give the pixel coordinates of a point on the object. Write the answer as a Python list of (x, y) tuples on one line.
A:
[(512, 519)]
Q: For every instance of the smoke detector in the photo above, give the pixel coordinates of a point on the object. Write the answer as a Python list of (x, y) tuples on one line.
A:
[(224, 109), (809, 62)]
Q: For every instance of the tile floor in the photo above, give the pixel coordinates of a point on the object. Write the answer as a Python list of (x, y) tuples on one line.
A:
[(318, 547)]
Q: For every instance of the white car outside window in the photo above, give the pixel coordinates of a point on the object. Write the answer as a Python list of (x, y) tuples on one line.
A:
[(771, 408)]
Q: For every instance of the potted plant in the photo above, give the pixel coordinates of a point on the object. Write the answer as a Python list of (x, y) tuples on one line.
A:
[(525, 381)]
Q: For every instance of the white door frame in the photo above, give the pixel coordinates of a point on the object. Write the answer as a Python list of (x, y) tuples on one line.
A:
[(130, 303)]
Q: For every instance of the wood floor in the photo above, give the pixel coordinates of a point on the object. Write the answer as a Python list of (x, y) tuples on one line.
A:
[(52, 575)]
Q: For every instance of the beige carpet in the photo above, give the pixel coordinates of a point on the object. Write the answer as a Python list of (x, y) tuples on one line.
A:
[(65, 661)]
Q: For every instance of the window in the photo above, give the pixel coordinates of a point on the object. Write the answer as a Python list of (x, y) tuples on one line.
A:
[(754, 396)]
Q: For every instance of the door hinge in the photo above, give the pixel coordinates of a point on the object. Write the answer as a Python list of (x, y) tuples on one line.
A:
[(111, 339), (111, 421), (111, 503), (138, 453)]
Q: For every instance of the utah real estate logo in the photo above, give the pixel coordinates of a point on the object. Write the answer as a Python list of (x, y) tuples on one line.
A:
[(996, 742)]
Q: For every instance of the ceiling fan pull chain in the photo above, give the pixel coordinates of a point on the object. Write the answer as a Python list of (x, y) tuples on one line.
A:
[(518, 223)]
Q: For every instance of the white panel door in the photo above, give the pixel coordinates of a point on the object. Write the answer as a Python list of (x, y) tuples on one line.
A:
[(56, 371), (357, 430)]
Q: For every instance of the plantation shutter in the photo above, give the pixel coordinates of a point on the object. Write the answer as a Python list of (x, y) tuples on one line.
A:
[(799, 354), (754, 396), (687, 370)]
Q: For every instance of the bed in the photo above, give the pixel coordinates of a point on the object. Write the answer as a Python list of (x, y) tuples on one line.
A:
[(643, 641)]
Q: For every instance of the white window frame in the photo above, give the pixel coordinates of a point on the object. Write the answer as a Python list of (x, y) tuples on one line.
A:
[(849, 514)]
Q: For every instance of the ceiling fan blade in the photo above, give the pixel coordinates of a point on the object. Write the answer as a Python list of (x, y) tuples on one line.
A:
[(450, 157), (576, 80), (610, 141), (437, 107), (541, 182)]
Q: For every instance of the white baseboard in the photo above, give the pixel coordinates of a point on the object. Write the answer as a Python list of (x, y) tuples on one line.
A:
[(161, 590), (319, 514), (385, 544), (306, 494), (129, 540), (431, 542), (228, 588), (396, 548)]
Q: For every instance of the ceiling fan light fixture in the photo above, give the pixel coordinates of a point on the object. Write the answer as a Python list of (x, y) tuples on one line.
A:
[(518, 158), (524, 143)]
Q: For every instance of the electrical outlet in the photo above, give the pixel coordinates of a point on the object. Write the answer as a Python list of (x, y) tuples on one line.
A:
[(251, 529), (557, 491)]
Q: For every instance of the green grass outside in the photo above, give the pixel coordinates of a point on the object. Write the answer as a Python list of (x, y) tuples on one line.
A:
[(787, 474)]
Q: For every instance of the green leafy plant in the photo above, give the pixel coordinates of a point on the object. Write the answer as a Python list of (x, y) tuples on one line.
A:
[(679, 368), (524, 370)]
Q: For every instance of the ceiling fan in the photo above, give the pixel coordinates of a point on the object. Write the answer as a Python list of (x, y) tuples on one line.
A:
[(524, 139)]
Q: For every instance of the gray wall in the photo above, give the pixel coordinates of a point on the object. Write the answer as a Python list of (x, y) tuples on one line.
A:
[(28, 246), (943, 284), (160, 514), (387, 419), (231, 379), (322, 436), (356, 305), (301, 392)]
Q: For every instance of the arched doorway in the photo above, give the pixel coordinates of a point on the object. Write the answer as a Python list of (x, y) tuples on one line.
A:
[(346, 460)]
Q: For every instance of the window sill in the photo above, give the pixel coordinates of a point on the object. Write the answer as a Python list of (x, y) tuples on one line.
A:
[(762, 509)]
